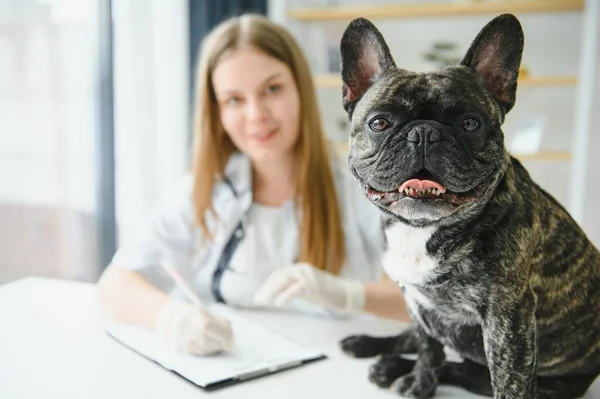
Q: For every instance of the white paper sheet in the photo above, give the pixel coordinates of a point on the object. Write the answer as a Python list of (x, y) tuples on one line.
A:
[(257, 351)]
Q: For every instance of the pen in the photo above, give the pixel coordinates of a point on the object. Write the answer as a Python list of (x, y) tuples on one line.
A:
[(193, 298), (174, 274)]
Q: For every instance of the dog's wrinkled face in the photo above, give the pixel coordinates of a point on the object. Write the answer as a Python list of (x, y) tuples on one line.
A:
[(426, 146)]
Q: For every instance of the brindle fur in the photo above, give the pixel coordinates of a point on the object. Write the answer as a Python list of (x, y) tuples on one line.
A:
[(516, 287)]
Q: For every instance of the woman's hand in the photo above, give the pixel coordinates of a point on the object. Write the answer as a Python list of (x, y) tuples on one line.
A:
[(305, 281), (193, 329)]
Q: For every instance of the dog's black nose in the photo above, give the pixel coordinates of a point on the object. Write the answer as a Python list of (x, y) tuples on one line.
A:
[(424, 134)]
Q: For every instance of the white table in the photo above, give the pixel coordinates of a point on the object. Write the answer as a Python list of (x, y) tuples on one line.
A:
[(52, 346)]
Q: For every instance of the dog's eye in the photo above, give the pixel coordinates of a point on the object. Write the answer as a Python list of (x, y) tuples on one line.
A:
[(469, 125), (379, 124)]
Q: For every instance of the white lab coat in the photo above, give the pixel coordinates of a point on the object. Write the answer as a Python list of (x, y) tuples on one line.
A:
[(171, 234)]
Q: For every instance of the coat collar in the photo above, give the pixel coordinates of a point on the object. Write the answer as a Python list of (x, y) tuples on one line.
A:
[(238, 174)]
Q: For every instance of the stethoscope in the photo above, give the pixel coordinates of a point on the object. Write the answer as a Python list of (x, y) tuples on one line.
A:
[(236, 237), (229, 250)]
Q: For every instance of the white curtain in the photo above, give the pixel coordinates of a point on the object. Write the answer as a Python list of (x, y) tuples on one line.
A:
[(151, 64)]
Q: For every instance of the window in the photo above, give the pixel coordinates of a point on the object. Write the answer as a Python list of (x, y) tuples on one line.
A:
[(47, 155)]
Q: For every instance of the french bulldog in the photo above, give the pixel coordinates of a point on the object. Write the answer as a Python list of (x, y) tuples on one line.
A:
[(491, 265)]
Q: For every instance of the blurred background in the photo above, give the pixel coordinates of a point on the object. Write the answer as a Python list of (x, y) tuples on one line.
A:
[(95, 106)]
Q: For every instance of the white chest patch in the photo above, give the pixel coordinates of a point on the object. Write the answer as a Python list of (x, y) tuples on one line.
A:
[(406, 260)]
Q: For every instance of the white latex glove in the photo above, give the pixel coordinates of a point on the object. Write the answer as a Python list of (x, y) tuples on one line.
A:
[(305, 281), (193, 329)]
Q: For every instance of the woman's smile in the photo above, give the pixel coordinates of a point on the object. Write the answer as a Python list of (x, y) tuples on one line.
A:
[(264, 137)]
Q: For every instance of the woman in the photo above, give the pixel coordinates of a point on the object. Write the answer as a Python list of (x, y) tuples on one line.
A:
[(268, 218)]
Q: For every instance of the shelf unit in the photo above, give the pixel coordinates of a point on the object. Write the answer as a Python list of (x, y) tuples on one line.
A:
[(464, 8)]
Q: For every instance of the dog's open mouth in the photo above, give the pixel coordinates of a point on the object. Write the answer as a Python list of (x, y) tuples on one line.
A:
[(422, 186)]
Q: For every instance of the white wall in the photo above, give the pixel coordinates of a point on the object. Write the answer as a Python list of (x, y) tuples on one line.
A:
[(591, 201), (586, 173)]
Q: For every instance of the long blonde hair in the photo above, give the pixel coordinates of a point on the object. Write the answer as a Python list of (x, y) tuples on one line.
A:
[(321, 236)]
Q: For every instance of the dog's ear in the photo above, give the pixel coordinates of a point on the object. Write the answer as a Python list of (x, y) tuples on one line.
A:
[(364, 56), (495, 55)]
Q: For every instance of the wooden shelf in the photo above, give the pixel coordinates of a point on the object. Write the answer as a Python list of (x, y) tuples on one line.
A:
[(557, 156), (336, 82), (547, 156), (328, 81), (463, 8), (548, 81)]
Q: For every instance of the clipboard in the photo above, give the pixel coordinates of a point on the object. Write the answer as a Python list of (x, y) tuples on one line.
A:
[(258, 353)]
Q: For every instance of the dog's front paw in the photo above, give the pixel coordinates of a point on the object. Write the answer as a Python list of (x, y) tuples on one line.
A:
[(362, 346), (415, 385), (388, 369)]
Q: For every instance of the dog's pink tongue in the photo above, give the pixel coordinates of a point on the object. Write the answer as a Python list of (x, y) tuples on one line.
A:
[(417, 184)]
